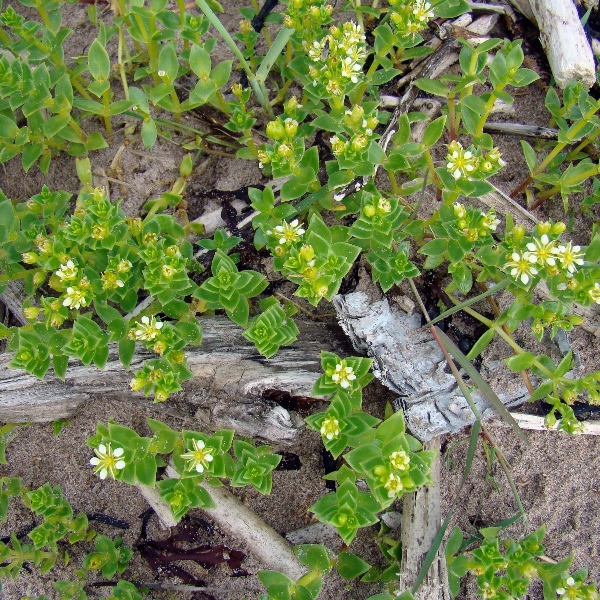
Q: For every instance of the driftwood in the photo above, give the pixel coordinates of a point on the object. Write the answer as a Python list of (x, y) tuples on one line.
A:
[(230, 515), (421, 520), (231, 388), (564, 40), (408, 360)]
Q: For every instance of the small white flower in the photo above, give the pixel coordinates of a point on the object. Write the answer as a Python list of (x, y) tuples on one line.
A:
[(570, 257), (107, 462), (393, 485), (147, 329), (594, 293), (343, 375), (330, 428), (161, 73), (75, 298), (289, 232), (490, 221), (199, 457), (521, 266), (400, 460), (134, 107), (67, 272), (543, 251)]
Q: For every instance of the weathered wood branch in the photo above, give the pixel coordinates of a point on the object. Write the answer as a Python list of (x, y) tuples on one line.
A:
[(409, 361), (264, 543), (421, 520), (230, 388), (564, 40)]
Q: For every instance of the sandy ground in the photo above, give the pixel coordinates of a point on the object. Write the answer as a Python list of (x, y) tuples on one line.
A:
[(558, 477)]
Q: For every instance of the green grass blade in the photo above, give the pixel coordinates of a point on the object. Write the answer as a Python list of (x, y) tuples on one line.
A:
[(274, 51), (470, 301), (481, 383)]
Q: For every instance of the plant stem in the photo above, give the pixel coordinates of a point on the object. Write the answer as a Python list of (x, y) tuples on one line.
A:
[(571, 135)]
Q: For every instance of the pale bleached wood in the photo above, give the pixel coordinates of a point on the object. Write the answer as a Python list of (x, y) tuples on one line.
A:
[(265, 544), (421, 521), (536, 423), (564, 40), (230, 384)]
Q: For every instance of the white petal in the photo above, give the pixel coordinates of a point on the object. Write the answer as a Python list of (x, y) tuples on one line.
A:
[(103, 473), (118, 452), (525, 278), (94, 461), (145, 320), (209, 458), (200, 467), (102, 449), (120, 464)]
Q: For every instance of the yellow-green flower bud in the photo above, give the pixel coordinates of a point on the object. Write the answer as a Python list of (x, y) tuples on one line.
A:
[(137, 383), (31, 313), (177, 357), (557, 228), (291, 127), (39, 278), (291, 105), (159, 347), (359, 142), (245, 26), (56, 320), (518, 233), (186, 166), (30, 258), (369, 210), (275, 130), (285, 151), (263, 157), (307, 253), (544, 228), (160, 395), (237, 89)]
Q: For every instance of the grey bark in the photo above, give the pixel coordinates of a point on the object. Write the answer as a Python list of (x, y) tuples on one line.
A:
[(421, 520), (231, 388), (409, 361)]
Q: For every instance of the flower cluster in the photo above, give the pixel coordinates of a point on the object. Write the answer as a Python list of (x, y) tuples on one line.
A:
[(307, 17), (400, 465), (285, 154), (544, 253), (474, 224), (472, 163), (361, 128), (408, 18), (337, 60)]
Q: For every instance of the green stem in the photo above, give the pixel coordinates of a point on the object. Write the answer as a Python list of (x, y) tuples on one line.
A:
[(571, 135), (120, 59), (489, 105), (106, 112), (181, 8), (554, 190), (452, 125), (507, 338)]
